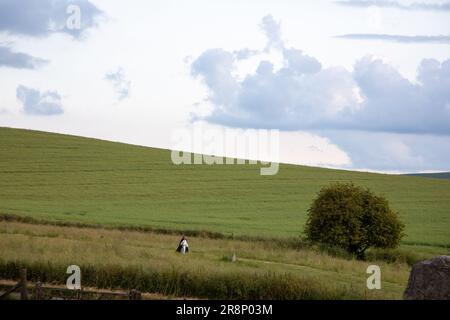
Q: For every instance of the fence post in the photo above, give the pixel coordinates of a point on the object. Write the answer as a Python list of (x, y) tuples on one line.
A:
[(38, 293), (79, 294), (135, 295), (23, 284)]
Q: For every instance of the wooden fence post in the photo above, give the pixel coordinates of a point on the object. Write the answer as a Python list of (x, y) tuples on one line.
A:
[(38, 293), (135, 295), (79, 294), (23, 284)]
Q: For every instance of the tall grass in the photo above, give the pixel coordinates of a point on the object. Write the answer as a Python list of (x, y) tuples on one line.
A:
[(268, 243), (176, 282), (131, 260)]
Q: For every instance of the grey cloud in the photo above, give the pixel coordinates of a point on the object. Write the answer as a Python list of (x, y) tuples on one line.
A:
[(445, 6), (298, 95), (43, 17), (36, 103), (394, 104), (119, 82), (304, 96), (393, 152), (397, 38), (215, 66), (9, 58)]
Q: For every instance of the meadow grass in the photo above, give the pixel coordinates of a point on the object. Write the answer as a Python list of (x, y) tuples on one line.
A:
[(66, 178), (148, 262)]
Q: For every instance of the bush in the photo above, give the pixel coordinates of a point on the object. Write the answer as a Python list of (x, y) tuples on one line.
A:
[(352, 218)]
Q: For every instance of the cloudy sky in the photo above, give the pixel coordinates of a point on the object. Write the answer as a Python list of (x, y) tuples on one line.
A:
[(350, 84)]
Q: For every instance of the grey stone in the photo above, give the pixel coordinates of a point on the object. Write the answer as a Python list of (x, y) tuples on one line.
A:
[(429, 280)]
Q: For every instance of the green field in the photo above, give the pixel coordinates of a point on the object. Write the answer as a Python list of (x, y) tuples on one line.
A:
[(146, 261), (67, 178), (117, 211)]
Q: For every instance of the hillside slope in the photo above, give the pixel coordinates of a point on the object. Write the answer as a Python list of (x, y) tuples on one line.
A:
[(53, 176)]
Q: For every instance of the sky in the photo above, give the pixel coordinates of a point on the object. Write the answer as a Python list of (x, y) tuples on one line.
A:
[(360, 85)]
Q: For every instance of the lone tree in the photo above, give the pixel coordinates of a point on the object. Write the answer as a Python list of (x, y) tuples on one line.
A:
[(352, 218)]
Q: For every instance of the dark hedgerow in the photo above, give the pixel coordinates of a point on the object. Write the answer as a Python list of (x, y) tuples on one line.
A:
[(352, 218)]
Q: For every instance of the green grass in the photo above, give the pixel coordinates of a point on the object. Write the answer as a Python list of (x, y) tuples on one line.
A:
[(146, 261), (66, 178)]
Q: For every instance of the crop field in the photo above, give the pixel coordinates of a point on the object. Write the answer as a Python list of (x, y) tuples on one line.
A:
[(67, 178)]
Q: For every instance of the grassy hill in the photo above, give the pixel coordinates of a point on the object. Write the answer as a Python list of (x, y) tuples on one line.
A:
[(59, 177)]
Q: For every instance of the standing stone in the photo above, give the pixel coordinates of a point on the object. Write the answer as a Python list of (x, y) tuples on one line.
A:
[(429, 280)]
